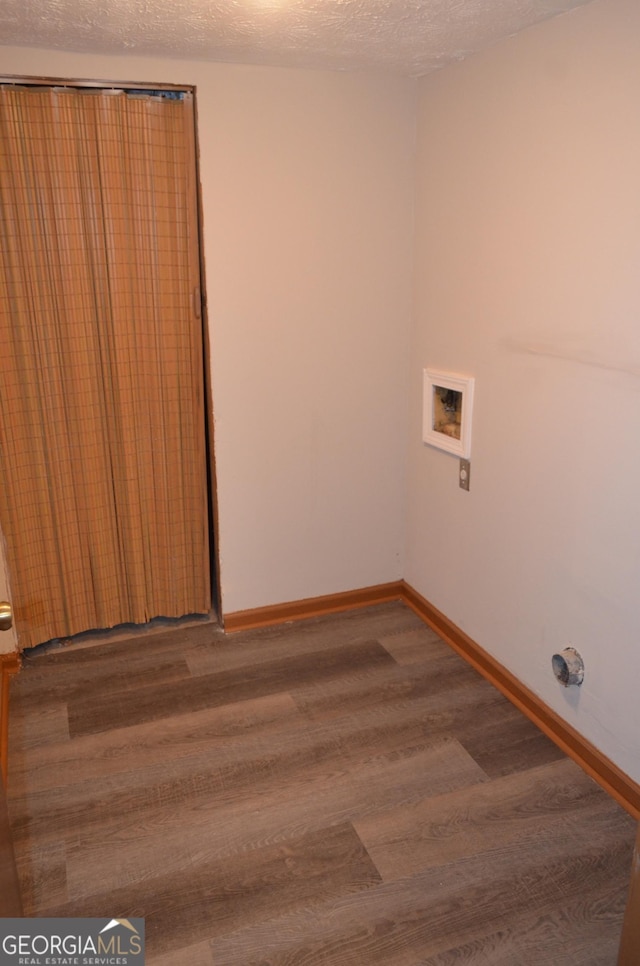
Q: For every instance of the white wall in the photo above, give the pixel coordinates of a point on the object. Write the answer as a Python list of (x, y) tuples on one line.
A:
[(308, 204), (528, 277)]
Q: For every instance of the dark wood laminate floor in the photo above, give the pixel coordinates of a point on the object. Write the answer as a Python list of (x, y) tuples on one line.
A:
[(343, 791)]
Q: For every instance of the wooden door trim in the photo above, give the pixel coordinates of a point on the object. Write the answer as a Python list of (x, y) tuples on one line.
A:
[(9, 665), (214, 534), (10, 899), (629, 954), (28, 81)]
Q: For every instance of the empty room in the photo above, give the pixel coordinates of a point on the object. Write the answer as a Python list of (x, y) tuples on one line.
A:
[(318, 420)]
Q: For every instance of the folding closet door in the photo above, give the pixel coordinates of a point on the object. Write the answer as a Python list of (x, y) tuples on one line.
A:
[(103, 481)]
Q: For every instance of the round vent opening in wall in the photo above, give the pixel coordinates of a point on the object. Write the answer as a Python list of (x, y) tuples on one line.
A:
[(568, 667)]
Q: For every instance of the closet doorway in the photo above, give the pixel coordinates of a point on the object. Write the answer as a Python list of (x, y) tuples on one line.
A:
[(104, 492)]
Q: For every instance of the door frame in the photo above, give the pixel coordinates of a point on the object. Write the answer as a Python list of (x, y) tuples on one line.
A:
[(8, 639)]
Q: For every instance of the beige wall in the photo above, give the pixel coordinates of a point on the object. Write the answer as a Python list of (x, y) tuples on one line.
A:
[(307, 194), (528, 277)]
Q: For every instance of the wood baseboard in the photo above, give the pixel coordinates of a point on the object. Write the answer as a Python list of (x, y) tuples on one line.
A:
[(10, 901), (9, 665), (619, 785), (242, 620), (629, 953)]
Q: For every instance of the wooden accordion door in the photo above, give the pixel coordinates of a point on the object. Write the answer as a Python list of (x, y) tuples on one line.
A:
[(103, 482)]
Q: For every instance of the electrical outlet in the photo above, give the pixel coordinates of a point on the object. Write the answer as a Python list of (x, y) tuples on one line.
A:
[(464, 474)]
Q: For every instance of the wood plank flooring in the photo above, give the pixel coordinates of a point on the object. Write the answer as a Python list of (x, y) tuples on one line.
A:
[(343, 791)]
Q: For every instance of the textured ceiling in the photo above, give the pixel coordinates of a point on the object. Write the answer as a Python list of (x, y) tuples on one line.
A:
[(410, 37)]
